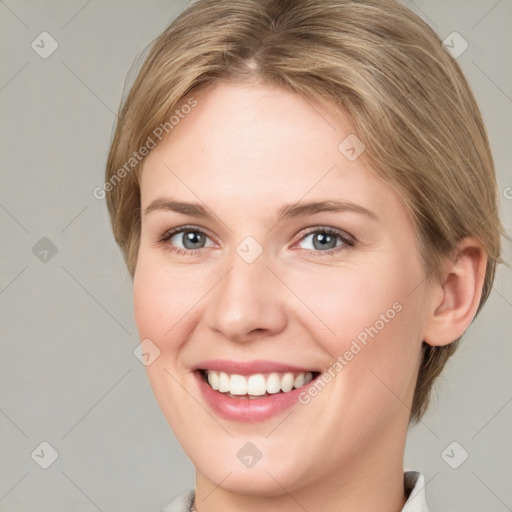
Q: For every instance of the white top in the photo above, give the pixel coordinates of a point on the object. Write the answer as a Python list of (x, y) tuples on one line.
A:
[(414, 487)]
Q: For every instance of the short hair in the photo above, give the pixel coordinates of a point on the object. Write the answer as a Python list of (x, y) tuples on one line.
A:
[(385, 68)]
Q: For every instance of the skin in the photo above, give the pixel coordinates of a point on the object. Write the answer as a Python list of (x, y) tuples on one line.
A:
[(243, 152)]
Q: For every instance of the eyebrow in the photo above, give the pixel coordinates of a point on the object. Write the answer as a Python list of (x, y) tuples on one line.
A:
[(286, 211)]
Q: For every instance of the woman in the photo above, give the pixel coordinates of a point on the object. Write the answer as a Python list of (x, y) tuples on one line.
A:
[(305, 198)]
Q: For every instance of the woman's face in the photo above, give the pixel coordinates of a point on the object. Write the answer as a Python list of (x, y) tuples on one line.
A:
[(258, 287)]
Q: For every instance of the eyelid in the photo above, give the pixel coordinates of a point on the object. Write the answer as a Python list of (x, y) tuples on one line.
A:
[(167, 235), (346, 238), (185, 227)]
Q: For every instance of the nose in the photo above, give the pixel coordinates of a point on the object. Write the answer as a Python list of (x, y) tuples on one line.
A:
[(248, 303)]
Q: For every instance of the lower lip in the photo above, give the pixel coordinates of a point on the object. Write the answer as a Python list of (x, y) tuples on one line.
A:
[(248, 410)]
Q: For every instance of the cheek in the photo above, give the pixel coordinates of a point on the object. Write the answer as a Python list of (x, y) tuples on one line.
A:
[(149, 305), (162, 298), (347, 300), (160, 309), (369, 318)]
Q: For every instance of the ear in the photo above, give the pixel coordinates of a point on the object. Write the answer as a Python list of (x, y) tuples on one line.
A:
[(454, 301)]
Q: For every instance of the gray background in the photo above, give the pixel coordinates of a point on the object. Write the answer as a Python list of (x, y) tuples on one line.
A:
[(68, 373)]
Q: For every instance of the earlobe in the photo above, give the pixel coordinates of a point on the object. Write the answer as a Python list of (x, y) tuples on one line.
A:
[(454, 302)]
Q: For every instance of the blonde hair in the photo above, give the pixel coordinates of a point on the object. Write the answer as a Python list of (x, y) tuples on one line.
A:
[(381, 64)]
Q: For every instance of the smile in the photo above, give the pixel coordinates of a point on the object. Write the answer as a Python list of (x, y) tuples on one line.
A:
[(251, 391), (257, 385)]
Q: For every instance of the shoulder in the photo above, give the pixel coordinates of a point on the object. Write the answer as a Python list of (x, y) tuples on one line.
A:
[(180, 504)]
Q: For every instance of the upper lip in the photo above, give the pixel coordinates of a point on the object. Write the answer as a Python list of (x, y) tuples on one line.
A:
[(249, 367)]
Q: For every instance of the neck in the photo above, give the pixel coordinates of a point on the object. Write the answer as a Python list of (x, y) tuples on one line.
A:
[(371, 480)]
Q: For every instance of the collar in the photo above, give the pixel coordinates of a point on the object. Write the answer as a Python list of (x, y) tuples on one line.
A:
[(414, 486)]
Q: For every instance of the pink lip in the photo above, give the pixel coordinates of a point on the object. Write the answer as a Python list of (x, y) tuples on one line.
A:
[(249, 367), (248, 410)]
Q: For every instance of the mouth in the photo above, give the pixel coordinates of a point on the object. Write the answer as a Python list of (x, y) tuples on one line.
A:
[(257, 385), (252, 391)]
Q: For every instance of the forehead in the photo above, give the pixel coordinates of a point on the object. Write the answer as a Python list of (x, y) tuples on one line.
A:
[(259, 144), (258, 123)]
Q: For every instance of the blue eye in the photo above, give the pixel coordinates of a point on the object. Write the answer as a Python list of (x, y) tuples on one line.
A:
[(190, 240), (326, 239)]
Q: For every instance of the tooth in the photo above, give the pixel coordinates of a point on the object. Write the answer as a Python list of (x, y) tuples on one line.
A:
[(224, 382), (213, 379), (273, 383), (238, 385), (299, 380), (287, 382), (256, 385)]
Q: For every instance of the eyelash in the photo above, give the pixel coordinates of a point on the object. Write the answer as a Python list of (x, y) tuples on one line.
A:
[(346, 239)]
